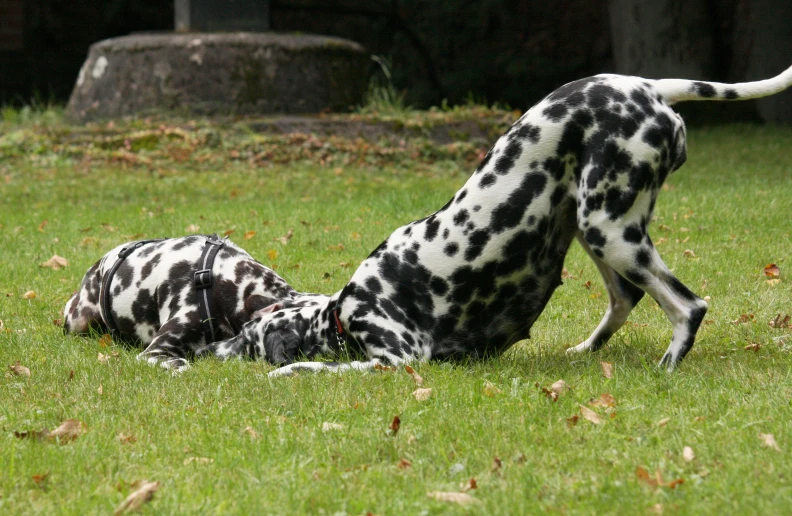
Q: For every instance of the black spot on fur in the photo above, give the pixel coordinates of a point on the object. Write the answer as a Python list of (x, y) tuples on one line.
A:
[(595, 238), (451, 248), (510, 212), (555, 112), (487, 180), (633, 234), (432, 227), (704, 90)]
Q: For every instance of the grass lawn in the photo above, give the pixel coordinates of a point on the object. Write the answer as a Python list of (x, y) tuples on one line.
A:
[(224, 438)]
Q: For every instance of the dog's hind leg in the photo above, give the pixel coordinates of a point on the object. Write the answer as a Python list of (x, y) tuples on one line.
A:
[(627, 249), (622, 297), (333, 367), (168, 347)]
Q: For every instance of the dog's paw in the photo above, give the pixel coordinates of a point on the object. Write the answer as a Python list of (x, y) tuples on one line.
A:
[(580, 348)]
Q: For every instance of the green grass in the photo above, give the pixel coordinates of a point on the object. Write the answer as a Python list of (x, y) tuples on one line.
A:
[(734, 197)]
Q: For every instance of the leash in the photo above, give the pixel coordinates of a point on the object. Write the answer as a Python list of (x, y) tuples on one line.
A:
[(104, 295), (202, 281)]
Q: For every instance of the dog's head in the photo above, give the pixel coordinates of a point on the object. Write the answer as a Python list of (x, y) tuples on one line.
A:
[(278, 334)]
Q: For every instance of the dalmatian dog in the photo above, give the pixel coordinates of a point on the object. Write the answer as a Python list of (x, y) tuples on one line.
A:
[(585, 163), (175, 296)]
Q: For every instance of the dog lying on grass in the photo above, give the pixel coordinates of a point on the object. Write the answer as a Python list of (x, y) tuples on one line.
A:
[(585, 163), (174, 296)]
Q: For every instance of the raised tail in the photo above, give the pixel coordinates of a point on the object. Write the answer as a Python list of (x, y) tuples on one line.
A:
[(679, 90)]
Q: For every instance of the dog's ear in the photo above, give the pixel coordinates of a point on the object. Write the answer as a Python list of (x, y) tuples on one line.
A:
[(258, 314)]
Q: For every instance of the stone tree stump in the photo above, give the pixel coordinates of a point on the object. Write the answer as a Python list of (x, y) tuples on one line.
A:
[(219, 73)]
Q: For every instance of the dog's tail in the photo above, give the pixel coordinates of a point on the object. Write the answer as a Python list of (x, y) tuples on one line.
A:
[(679, 90)]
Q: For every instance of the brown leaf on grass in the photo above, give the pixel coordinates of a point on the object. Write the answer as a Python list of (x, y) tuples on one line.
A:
[(100, 390), (272, 254), (136, 499), (198, 460), (126, 439), (744, 318), (29, 295), (354, 235), (415, 376), (285, 238), (229, 232), (657, 481), (192, 228), (687, 454), (771, 270), (380, 367), (605, 400), (395, 425), (69, 430), (663, 422), (105, 340), (496, 464), (753, 347), (336, 247), (459, 498), (547, 392), (19, 370), (607, 369), (688, 253), (251, 432), (590, 415), (41, 478), (470, 485), (71, 375), (560, 387), (104, 359), (404, 464), (422, 394), (768, 441), (329, 427), (780, 322), (42, 225), (490, 389), (247, 235), (572, 421), (55, 263)]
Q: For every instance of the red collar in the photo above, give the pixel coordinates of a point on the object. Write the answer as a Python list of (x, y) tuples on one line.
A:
[(339, 328)]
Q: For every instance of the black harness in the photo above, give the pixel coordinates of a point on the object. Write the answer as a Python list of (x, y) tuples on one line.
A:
[(202, 281)]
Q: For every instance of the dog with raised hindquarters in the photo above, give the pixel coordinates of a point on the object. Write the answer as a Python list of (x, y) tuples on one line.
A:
[(175, 296), (585, 163)]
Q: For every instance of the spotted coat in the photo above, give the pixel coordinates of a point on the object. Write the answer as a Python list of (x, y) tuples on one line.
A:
[(154, 303), (585, 163)]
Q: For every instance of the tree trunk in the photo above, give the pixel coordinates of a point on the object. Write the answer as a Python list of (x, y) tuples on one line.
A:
[(662, 38), (770, 51)]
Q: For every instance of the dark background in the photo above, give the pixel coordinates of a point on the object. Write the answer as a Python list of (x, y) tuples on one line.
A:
[(507, 51)]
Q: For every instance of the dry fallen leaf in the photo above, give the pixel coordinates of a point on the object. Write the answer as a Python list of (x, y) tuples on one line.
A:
[(248, 235), (688, 253), (285, 238), (198, 460), (664, 421), (605, 400), (547, 392), (43, 225), (192, 228), (135, 500), (560, 387), (100, 390), (69, 430), (687, 454), (753, 347), (19, 369), (744, 318), (415, 376), (126, 439), (336, 247), (496, 464), (490, 389), (590, 415), (101, 357), (404, 464), (29, 295), (460, 498), (607, 369), (422, 394), (395, 425), (272, 254), (40, 479), (572, 421), (55, 263), (251, 432), (470, 485), (657, 481), (780, 322), (771, 270), (768, 441), (105, 340), (329, 427)]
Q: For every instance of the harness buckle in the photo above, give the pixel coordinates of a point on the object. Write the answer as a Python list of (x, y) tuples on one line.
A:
[(202, 279)]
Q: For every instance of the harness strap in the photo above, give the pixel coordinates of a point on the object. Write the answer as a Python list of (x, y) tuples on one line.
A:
[(104, 296), (202, 281)]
